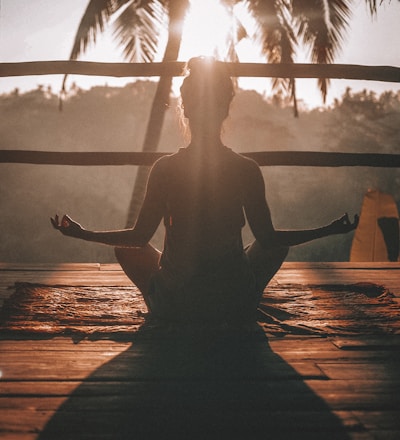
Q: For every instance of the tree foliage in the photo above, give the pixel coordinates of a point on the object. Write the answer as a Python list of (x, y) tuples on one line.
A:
[(366, 122)]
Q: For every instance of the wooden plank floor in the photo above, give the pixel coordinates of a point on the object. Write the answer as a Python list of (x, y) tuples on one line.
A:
[(217, 387)]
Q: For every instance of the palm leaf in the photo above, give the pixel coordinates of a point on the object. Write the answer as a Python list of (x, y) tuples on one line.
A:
[(275, 36), (96, 16), (373, 5), (236, 33), (321, 25), (94, 20), (137, 30)]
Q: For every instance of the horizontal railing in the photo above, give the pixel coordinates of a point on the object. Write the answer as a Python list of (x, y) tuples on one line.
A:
[(263, 158), (334, 71)]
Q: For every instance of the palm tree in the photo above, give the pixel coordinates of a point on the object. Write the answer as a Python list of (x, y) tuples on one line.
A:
[(281, 25), (176, 11), (138, 28)]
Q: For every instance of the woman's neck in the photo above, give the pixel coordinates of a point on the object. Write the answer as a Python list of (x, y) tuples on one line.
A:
[(206, 137), (206, 143)]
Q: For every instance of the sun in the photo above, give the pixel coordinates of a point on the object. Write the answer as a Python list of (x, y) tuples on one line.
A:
[(207, 30)]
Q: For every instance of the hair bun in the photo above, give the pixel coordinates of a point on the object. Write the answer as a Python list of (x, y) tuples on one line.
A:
[(208, 83), (201, 64)]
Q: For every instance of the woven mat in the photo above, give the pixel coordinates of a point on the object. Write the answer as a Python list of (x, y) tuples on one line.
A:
[(323, 310), (328, 310), (65, 310)]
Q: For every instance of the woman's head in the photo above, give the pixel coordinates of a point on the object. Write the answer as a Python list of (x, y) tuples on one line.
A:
[(207, 91)]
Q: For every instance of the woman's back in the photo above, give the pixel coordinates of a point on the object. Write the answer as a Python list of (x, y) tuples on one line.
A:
[(204, 198)]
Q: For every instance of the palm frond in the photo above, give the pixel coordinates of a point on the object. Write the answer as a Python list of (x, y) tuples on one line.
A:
[(137, 30), (288, 42), (275, 35), (273, 31), (238, 31), (235, 34), (96, 16), (321, 26), (267, 32), (373, 6)]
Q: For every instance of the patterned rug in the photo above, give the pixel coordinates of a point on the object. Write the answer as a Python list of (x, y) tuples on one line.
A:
[(66, 310), (327, 310), (323, 310)]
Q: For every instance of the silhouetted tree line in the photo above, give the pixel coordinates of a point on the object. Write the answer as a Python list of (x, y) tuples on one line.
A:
[(114, 119)]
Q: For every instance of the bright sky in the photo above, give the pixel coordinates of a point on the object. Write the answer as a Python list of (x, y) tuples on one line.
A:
[(43, 30)]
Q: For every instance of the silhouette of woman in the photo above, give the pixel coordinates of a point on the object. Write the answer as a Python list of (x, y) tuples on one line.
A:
[(203, 193)]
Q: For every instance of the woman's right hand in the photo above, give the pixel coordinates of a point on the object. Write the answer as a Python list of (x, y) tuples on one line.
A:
[(67, 226)]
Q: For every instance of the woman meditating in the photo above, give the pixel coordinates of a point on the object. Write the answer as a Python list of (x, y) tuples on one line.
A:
[(203, 194)]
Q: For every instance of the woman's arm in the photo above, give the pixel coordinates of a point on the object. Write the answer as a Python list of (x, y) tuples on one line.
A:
[(119, 238), (148, 220), (259, 218), (340, 226)]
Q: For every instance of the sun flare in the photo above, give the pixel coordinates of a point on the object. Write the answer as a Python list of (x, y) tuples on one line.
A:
[(208, 30), (208, 27)]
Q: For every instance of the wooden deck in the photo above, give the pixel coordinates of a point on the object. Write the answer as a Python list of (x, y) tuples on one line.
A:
[(230, 386)]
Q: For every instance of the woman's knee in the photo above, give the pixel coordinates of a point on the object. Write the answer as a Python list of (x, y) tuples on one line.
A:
[(265, 262), (139, 264)]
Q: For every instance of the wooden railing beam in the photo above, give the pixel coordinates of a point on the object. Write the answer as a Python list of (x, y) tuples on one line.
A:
[(334, 71), (263, 158)]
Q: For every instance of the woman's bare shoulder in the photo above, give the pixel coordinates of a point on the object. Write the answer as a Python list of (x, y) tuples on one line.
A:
[(246, 163)]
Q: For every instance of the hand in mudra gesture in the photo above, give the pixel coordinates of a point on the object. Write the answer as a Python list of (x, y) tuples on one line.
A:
[(343, 224), (67, 226)]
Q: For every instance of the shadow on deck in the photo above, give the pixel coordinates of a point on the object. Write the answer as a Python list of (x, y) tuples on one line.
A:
[(161, 384), (214, 387)]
